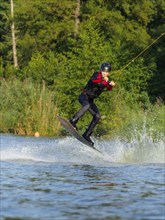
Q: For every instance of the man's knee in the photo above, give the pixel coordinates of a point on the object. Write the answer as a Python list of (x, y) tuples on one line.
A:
[(86, 106)]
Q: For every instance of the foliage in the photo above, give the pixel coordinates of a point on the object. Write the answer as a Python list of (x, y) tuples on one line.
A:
[(48, 51), (27, 108), (150, 121)]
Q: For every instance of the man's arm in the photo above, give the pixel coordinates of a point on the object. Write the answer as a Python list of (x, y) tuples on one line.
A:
[(108, 84), (97, 77)]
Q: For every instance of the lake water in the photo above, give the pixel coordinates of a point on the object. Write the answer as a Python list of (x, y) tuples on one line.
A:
[(50, 178)]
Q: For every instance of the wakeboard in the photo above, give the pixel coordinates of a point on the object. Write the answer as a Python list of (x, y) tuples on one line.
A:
[(66, 124)]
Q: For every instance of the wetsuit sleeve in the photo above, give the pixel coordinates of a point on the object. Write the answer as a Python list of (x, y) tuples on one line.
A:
[(107, 85), (97, 77)]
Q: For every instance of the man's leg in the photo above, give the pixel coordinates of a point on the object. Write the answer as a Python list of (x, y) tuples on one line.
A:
[(83, 99), (96, 117)]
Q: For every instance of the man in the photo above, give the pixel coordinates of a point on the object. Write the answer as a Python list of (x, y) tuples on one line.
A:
[(92, 90)]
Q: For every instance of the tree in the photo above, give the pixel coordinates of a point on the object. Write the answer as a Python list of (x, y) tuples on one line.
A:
[(43, 26), (5, 43), (83, 34), (13, 35), (77, 18)]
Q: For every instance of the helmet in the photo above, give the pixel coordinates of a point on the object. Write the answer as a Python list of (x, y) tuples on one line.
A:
[(105, 67)]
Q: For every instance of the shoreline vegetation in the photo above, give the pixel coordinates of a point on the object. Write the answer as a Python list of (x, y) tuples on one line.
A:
[(49, 50), (30, 109), (27, 108)]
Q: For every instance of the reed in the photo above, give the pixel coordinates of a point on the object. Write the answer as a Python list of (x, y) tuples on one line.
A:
[(138, 120), (126, 115), (27, 108)]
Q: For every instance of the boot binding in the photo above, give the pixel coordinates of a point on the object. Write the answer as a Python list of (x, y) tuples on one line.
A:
[(73, 124), (88, 139)]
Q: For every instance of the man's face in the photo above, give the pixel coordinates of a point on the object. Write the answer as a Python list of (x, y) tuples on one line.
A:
[(105, 73)]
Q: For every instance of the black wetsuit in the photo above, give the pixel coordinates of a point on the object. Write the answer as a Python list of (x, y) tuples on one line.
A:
[(92, 90)]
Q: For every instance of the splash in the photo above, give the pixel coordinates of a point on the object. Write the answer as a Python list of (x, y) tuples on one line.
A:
[(143, 147), (140, 149)]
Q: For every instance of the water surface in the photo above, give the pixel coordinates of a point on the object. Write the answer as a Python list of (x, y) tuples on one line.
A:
[(49, 178)]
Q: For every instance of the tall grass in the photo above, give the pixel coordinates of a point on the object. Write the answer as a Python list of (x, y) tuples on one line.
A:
[(26, 108), (150, 121), (128, 116)]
